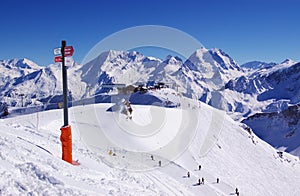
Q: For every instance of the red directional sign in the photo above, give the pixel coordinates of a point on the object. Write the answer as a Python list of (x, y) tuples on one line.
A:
[(58, 59), (69, 50)]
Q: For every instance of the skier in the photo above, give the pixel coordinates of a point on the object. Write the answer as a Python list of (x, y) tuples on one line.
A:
[(128, 109), (152, 158), (123, 108), (237, 192), (188, 174), (199, 181), (217, 180), (159, 163), (202, 180), (199, 167)]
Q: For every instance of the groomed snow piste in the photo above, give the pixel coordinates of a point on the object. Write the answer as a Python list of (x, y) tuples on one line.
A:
[(30, 154)]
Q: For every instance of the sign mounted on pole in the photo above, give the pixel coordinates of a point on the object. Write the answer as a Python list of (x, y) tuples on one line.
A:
[(69, 61), (57, 51), (58, 59), (69, 50)]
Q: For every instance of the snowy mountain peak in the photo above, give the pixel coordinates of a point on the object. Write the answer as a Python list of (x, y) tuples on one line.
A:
[(201, 51), (150, 58), (172, 60), (28, 62), (214, 67), (20, 63), (256, 65), (218, 51), (113, 53), (213, 57), (198, 60), (288, 62), (284, 65), (224, 59)]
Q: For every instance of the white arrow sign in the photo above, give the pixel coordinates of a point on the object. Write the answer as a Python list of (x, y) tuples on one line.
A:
[(57, 51)]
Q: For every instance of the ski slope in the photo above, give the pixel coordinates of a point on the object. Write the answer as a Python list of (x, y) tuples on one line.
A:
[(181, 138)]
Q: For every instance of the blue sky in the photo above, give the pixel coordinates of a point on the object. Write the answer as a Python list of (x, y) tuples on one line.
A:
[(246, 30)]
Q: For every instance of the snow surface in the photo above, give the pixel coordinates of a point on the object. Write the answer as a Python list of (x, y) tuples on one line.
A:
[(30, 152)]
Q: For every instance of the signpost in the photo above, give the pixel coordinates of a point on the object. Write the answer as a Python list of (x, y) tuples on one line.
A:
[(66, 133)]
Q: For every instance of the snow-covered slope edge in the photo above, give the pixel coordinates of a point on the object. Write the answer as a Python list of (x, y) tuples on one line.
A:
[(238, 158), (280, 129)]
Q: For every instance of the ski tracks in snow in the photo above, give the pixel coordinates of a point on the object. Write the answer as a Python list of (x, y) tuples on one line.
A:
[(166, 185)]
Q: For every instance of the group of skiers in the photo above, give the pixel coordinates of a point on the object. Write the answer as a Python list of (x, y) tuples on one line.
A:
[(201, 181), (159, 162), (237, 192)]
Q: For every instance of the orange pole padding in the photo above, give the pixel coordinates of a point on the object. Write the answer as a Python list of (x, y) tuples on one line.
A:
[(66, 140)]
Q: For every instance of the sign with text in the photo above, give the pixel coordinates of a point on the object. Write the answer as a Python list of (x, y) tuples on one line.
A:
[(69, 61), (57, 51), (58, 59), (69, 50)]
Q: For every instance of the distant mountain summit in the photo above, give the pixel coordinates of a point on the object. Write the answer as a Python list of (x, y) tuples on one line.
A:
[(19, 64), (288, 62), (255, 65), (15, 68)]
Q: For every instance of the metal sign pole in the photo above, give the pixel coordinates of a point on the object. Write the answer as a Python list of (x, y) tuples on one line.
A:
[(65, 84)]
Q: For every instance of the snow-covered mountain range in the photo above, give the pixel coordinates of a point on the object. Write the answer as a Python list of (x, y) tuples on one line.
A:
[(206, 70), (211, 76)]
